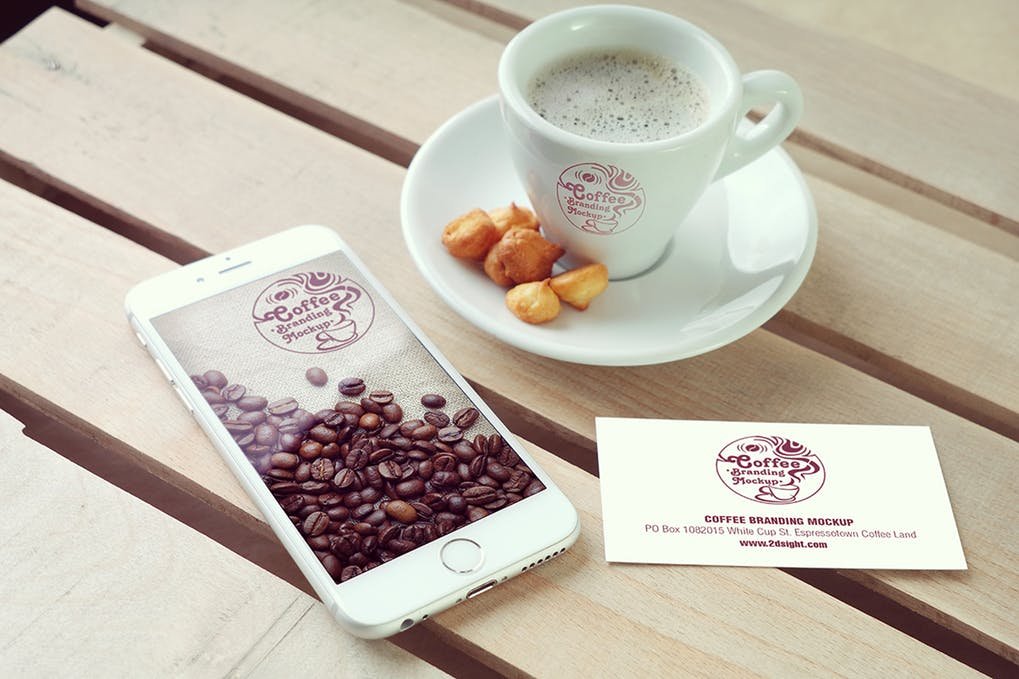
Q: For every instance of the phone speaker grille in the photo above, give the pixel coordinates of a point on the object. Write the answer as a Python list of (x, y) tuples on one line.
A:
[(542, 559)]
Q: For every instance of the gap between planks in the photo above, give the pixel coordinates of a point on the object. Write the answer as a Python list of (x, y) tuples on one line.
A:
[(785, 323), (177, 496), (93, 449)]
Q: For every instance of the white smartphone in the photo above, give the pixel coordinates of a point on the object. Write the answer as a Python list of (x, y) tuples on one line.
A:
[(392, 485)]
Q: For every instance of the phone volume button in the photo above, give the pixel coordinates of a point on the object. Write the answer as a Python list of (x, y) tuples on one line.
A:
[(166, 373), (183, 399)]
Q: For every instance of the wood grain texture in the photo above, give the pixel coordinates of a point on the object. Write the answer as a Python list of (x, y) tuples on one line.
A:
[(97, 583), (645, 619), (885, 291), (875, 114), (277, 172), (973, 41)]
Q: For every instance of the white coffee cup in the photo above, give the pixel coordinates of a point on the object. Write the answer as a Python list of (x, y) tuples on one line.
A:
[(664, 178)]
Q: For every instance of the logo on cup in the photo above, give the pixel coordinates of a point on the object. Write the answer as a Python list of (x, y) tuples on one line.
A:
[(770, 469), (313, 313), (600, 199)]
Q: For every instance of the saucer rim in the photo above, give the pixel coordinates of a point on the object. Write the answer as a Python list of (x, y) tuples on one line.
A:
[(603, 357)]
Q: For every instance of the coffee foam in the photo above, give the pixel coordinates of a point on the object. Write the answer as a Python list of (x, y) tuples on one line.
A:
[(619, 96)]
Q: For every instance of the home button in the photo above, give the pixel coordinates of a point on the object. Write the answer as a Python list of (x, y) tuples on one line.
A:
[(462, 555)]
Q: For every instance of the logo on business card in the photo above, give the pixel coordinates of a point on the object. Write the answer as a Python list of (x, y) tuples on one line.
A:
[(770, 469), (600, 199), (313, 312)]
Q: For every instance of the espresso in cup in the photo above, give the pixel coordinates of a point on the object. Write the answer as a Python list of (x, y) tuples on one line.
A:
[(622, 95)]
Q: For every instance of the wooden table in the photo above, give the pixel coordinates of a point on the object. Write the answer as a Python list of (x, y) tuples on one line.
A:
[(189, 127)]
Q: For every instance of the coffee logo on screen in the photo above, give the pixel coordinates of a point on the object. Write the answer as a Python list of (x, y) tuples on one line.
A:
[(600, 199), (313, 313), (770, 469)]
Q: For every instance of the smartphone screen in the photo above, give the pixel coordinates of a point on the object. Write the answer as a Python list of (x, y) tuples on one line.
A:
[(364, 440)]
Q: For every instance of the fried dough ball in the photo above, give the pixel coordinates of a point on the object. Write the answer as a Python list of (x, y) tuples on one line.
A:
[(579, 286), (513, 217), (533, 302), (470, 236), (521, 256)]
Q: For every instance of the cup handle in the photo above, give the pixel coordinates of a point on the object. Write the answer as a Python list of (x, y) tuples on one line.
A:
[(763, 87)]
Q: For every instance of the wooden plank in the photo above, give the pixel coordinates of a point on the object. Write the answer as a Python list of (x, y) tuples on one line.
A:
[(885, 293), (91, 577), (330, 181), (636, 619), (315, 51), (973, 41)]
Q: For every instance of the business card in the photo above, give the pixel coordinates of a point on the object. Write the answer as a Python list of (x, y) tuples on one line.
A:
[(769, 494)]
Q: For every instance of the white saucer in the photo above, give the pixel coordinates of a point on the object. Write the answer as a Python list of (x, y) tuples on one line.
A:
[(734, 262)]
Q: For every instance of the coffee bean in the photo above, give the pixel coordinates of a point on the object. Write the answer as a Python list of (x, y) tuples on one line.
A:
[(351, 386), (450, 435), (400, 546), (535, 486), (258, 449), (381, 396), (369, 421), (433, 401), (251, 403), (426, 469), (408, 426), (401, 443), (322, 469), (476, 514), (477, 466), (255, 417), (323, 434), (338, 513), (315, 524), (212, 397), (220, 409), (361, 511), (284, 488), (285, 460), (363, 528), (350, 572), (236, 427), (390, 470), (284, 406), (445, 479), (497, 471), (389, 431), (507, 457), (319, 542), (444, 462), (465, 418), (437, 419), (424, 432), (303, 472), (292, 503), (266, 435), (481, 444), (497, 503), (199, 382), (330, 450), (305, 420), (423, 510), (314, 487), (316, 376), (456, 504), (412, 488), (465, 451), (333, 566), (232, 393), (392, 412), (380, 455), (214, 378), (401, 511), (356, 459), (479, 495), (344, 479), (309, 450)]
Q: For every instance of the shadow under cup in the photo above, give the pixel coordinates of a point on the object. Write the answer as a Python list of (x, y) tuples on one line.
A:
[(671, 173)]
